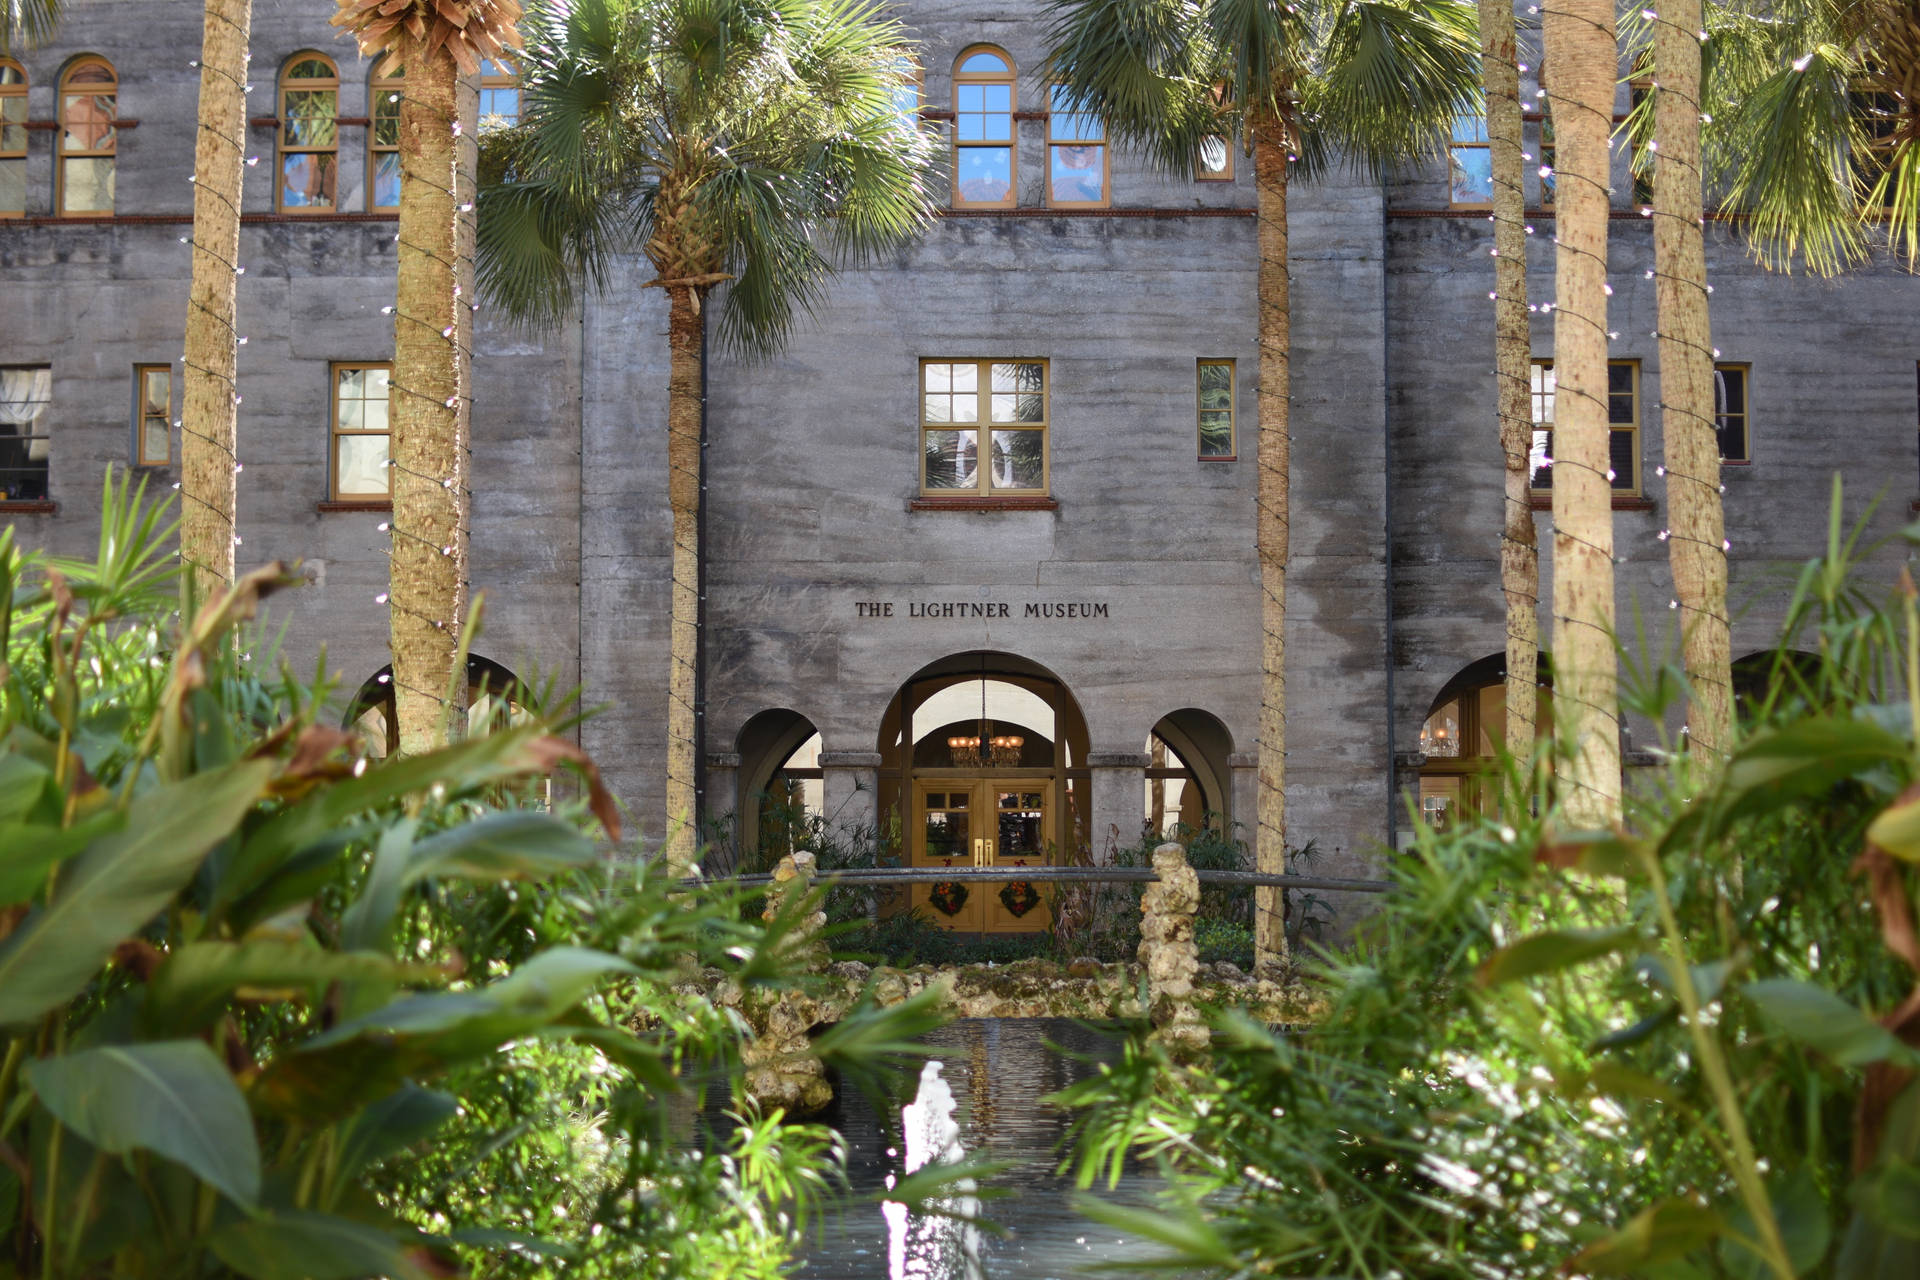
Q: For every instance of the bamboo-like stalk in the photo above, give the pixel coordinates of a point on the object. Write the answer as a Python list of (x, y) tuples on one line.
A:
[(1271, 530), (1582, 63), (210, 406), (1695, 544), (1513, 360)]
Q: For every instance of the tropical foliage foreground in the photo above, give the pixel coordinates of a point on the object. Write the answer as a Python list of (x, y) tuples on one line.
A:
[(1683, 1051), (273, 1009)]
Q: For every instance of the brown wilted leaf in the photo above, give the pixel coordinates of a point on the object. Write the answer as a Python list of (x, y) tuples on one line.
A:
[(10, 917), (1890, 902), (138, 957), (469, 30), (548, 753), (317, 745)]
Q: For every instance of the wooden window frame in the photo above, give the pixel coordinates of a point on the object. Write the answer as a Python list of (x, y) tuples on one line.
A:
[(1633, 492), (1106, 155), (44, 431), (65, 153), (1456, 144), (982, 426), (1745, 370), (142, 418), (380, 84), (282, 148), (1226, 174), (504, 76), (13, 92), (334, 433), (1011, 79), (1233, 412)]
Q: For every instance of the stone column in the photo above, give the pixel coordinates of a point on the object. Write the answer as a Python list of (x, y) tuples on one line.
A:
[(723, 796), (850, 793), (1168, 954), (1118, 780), (1243, 776)]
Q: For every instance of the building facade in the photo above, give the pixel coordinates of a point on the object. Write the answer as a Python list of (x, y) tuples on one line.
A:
[(980, 540)]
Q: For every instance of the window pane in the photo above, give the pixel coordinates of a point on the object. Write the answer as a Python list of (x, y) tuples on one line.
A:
[(156, 387), (1471, 175), (352, 382), (350, 415), (386, 120), (986, 174), (952, 460), (998, 97), (1215, 161), (310, 118), (386, 180), (1216, 386), (374, 416), (310, 69), (1019, 459), (1019, 408), (377, 382), (154, 442), (307, 179), (1620, 394), (1078, 173), (1620, 458), (937, 377), (1470, 128), (1216, 434), (361, 465), (966, 377), (13, 186), (984, 61), (1025, 376), (1540, 459), (87, 185), (938, 408), (88, 121), (499, 109)]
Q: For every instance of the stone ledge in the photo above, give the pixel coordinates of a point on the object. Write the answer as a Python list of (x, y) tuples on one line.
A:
[(849, 759), (1118, 760)]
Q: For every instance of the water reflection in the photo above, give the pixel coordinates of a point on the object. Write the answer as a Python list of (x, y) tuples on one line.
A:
[(978, 1098)]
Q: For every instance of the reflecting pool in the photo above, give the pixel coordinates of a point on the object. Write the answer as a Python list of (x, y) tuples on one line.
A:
[(978, 1096)]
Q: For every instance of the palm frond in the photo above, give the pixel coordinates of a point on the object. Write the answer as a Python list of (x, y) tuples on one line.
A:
[(1148, 68), (1390, 78), (27, 24)]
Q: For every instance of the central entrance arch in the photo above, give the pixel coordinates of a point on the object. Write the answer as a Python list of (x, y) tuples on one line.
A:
[(983, 764)]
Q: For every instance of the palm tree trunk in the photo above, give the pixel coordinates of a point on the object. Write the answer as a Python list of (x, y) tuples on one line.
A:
[(431, 394), (1695, 520), (1270, 531), (210, 417), (1512, 358), (1582, 62), (686, 342)]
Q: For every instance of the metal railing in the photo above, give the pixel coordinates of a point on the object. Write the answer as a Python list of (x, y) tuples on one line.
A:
[(874, 876)]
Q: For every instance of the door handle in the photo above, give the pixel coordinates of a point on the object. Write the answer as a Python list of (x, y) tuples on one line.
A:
[(979, 844)]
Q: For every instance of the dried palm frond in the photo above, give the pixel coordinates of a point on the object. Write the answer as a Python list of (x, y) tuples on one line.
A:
[(470, 30)]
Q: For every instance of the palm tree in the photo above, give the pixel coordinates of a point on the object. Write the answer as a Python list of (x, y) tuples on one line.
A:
[(28, 23), (1374, 81), (440, 44), (1582, 64), (1696, 525), (1813, 127), (746, 142), (210, 404), (1513, 368)]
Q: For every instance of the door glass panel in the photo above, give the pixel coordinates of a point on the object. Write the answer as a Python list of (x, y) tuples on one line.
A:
[(1022, 825), (947, 829)]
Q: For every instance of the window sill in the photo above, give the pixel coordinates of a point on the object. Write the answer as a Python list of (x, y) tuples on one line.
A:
[(983, 504), (29, 506), (1221, 457), (1621, 502), (361, 504)]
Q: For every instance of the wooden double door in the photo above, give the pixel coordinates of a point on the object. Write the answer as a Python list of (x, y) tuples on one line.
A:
[(984, 822)]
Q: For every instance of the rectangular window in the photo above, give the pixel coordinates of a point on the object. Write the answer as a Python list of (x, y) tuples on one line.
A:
[(152, 415), (1623, 416), (13, 140), (1076, 153), (26, 393), (1730, 408), (1006, 400), (383, 143), (1215, 407), (360, 432), (1470, 163), (1214, 163), (1640, 155)]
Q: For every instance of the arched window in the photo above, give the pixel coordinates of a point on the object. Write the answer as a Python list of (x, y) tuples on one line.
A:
[(383, 148), (983, 150), (309, 135), (499, 95), (89, 93), (1463, 735), (496, 700), (13, 139)]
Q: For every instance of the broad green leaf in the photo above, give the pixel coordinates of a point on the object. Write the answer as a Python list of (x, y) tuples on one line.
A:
[(171, 1097), (1634, 1034), (1191, 1241), (503, 846), (118, 884), (1883, 1238), (1708, 979), (1897, 830), (394, 1123), (367, 923), (292, 1245), (1823, 1021), (1773, 770), (1620, 1082), (22, 783), (1652, 1236), (191, 988), (1553, 950), (28, 854), (1801, 1214)]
